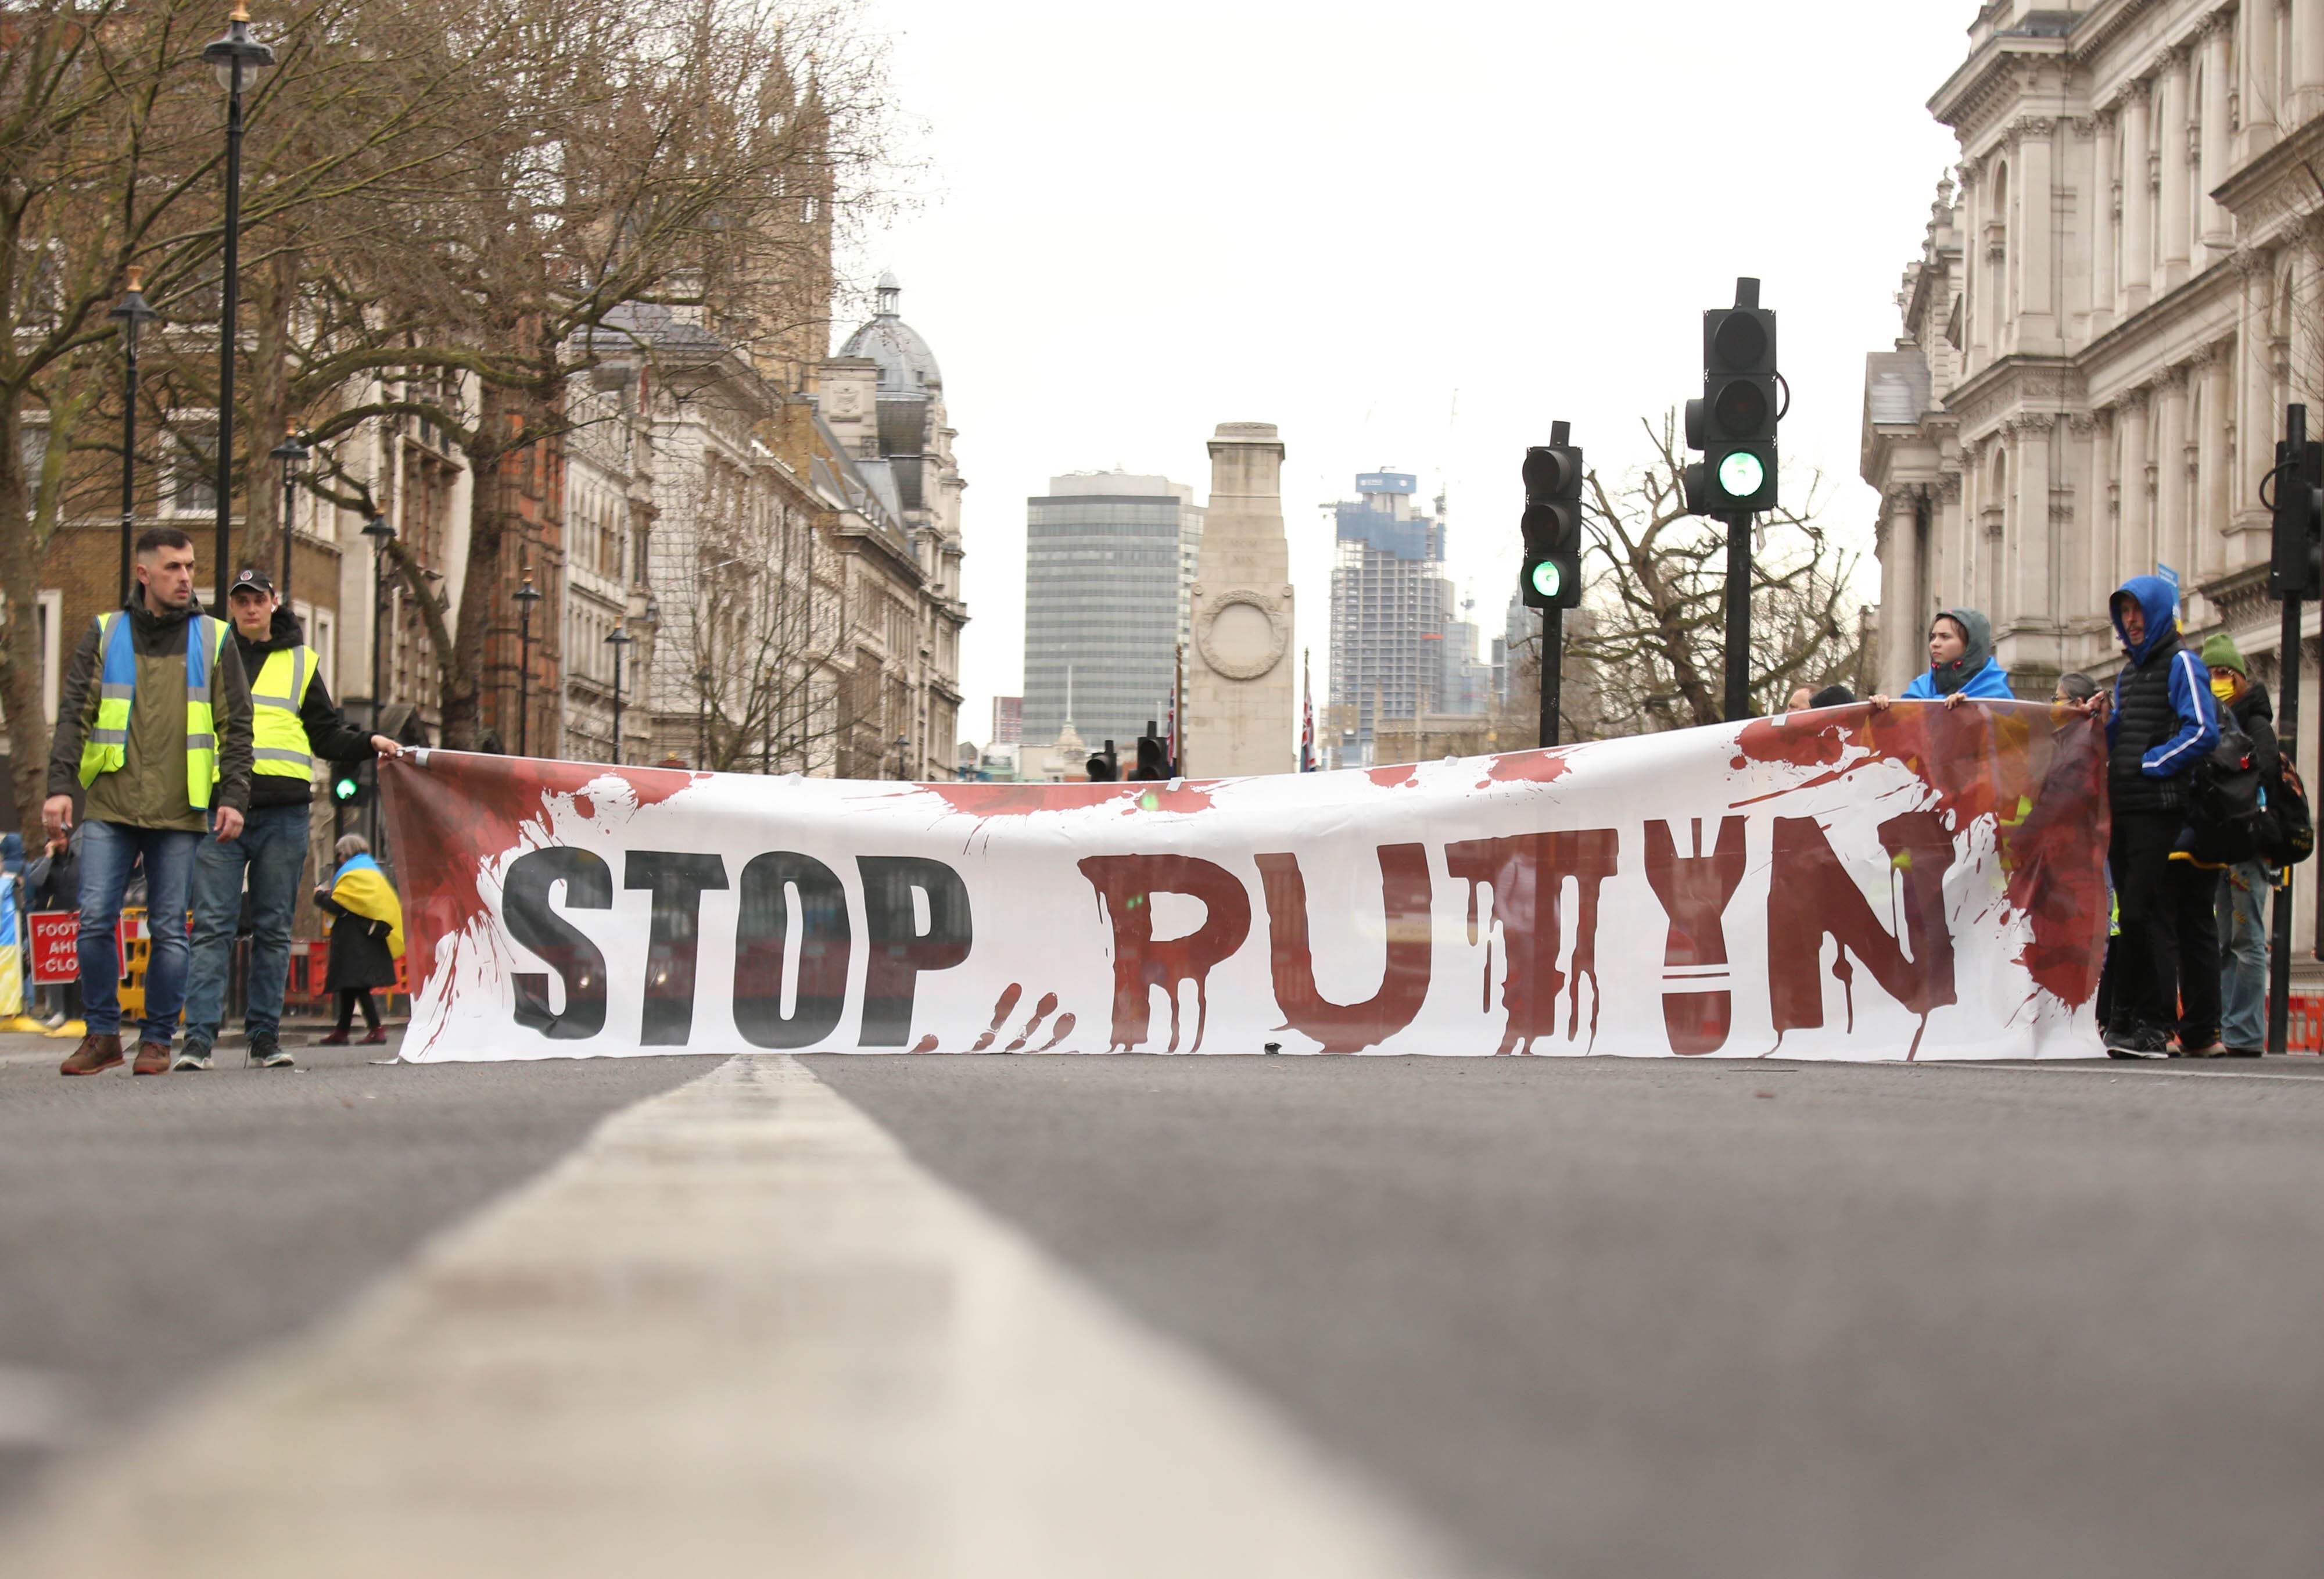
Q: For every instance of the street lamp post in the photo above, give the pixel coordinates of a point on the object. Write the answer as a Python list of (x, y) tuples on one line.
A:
[(237, 59), (133, 313), (379, 531), (619, 642), (293, 456), (526, 596)]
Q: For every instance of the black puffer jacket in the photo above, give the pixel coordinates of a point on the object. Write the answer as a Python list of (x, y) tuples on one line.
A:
[(2145, 717)]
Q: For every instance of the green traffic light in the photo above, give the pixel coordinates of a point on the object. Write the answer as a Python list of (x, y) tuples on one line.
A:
[(345, 786), (1546, 578), (1742, 475)]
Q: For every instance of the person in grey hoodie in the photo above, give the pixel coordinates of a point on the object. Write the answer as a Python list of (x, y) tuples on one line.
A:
[(1961, 663)]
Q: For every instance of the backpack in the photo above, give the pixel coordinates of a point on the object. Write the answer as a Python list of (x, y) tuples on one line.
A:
[(2295, 830), (2229, 818)]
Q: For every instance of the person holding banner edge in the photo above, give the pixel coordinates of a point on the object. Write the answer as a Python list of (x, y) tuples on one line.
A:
[(2163, 722), (154, 723), (293, 721), (1961, 664)]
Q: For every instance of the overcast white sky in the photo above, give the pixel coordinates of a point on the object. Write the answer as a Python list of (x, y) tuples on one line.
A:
[(1411, 236)]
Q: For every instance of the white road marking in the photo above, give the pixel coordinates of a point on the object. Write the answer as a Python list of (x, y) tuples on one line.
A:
[(737, 1332)]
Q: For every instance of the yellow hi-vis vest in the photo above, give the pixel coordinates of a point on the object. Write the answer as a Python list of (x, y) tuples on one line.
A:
[(106, 750), (278, 739)]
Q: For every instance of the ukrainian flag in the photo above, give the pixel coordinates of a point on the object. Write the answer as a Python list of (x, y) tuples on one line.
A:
[(12, 956), (364, 889)]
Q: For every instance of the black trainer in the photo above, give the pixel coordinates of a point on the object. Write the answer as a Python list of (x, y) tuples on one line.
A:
[(267, 1052), (2145, 1041)]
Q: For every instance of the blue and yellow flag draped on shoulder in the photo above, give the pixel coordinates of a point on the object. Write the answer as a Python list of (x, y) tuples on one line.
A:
[(362, 889)]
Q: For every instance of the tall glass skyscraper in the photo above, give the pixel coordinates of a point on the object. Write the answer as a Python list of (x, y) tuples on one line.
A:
[(1400, 653), (1109, 560)]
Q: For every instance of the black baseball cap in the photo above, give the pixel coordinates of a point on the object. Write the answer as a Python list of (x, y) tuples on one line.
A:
[(250, 581)]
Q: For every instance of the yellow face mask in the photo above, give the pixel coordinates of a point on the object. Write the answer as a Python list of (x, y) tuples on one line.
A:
[(2225, 690)]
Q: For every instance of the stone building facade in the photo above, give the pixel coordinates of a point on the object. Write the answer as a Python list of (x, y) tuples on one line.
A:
[(2109, 312)]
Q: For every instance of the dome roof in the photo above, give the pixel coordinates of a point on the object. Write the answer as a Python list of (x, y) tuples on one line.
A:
[(907, 365)]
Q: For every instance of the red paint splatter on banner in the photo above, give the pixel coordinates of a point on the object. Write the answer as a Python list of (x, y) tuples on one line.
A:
[(1695, 891), (926, 1044), (1041, 1011), (463, 811), (1059, 1032), (2038, 773), (1527, 873), (1125, 886), (1529, 767), (989, 801), (1347, 1027), (1402, 776), (1000, 1008)]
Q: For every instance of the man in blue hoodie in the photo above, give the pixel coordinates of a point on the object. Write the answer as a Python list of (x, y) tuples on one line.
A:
[(2163, 722)]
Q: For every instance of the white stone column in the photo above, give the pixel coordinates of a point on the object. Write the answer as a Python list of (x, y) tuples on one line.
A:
[(1903, 604), (2098, 550), (2032, 254), (2217, 226), (2138, 548), (2137, 198), (2106, 175), (2030, 593), (2215, 476), (2171, 515), (2255, 414), (2173, 223), (1240, 685), (2256, 19), (2306, 62)]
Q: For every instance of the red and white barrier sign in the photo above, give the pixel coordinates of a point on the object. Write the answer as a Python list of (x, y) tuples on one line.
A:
[(1917, 882), (55, 952)]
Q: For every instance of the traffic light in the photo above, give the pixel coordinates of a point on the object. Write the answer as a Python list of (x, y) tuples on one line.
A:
[(1551, 576), (1734, 422), (352, 784), (2295, 567), (1153, 756)]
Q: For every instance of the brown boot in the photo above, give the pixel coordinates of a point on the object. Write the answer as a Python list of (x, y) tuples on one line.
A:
[(152, 1059), (94, 1056)]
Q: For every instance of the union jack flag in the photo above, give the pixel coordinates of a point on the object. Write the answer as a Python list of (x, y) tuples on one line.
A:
[(1306, 715)]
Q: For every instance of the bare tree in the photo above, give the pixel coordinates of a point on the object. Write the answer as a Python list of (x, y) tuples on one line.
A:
[(1652, 650), (109, 152), (766, 644), (636, 155)]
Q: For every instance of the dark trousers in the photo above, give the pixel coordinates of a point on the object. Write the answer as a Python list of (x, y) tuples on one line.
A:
[(2166, 962), (351, 996)]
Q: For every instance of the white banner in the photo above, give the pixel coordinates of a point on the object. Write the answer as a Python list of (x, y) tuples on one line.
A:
[(1840, 884)]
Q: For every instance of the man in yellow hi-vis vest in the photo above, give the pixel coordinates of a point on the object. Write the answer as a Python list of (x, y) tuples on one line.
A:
[(154, 725), (292, 722)]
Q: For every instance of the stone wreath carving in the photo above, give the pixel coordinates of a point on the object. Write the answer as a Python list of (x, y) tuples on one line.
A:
[(1232, 655)]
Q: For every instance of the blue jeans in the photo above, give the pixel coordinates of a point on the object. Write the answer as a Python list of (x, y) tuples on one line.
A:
[(2243, 891), (106, 850), (273, 848)]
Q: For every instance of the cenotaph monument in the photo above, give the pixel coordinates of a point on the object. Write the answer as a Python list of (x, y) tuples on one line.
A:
[(1238, 686)]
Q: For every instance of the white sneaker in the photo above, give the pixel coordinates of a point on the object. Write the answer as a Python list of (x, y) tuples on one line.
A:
[(195, 1056)]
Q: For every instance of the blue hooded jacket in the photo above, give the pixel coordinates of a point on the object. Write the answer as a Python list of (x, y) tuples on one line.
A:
[(2190, 681), (1976, 672)]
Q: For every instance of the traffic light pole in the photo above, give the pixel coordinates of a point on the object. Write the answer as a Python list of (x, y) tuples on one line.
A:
[(1738, 615), (1553, 671), (2287, 722)]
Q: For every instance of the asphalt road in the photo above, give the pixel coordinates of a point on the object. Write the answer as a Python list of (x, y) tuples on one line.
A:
[(1602, 1318), (1590, 1317), (154, 1231)]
